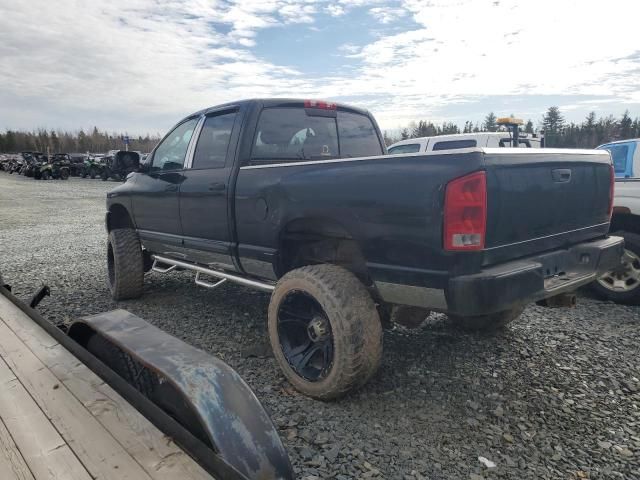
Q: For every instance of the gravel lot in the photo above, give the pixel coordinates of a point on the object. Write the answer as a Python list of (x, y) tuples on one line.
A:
[(555, 396)]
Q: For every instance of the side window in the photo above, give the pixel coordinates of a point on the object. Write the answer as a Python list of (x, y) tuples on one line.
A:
[(454, 144), (358, 137), (170, 153), (211, 149), (407, 148)]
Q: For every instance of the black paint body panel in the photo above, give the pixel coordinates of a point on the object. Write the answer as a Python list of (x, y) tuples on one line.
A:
[(391, 205)]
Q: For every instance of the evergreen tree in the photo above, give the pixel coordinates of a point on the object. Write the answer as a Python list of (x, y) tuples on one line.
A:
[(528, 128), (10, 144), (553, 121), (388, 139), (626, 126), (54, 142), (490, 124)]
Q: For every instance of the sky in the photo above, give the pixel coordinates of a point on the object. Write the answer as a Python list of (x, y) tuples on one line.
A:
[(141, 65)]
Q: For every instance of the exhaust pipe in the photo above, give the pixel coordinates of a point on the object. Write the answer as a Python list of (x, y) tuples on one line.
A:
[(564, 300)]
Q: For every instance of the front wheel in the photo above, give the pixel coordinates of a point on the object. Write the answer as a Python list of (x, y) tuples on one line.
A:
[(487, 323), (125, 266), (325, 331), (622, 284), (92, 173), (64, 174), (45, 175)]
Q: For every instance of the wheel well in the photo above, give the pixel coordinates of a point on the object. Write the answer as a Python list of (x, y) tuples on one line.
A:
[(625, 222), (316, 241), (118, 217)]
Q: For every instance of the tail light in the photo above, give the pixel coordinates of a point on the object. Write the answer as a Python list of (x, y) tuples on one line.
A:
[(612, 187), (465, 212)]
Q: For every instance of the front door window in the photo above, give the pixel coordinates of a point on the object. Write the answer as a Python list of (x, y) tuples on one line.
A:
[(170, 154)]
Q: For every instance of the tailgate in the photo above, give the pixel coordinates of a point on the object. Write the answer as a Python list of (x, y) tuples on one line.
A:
[(544, 199)]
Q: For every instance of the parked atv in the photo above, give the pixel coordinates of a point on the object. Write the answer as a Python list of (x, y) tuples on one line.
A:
[(57, 168), (93, 166), (119, 164), (76, 166), (16, 165), (31, 166)]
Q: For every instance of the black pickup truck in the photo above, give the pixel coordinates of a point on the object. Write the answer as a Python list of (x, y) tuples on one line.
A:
[(299, 198)]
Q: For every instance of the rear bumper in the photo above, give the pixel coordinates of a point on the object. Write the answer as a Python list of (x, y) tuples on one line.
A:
[(543, 276), (511, 284)]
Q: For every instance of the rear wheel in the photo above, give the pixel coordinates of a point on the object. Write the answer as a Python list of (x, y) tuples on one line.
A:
[(104, 175), (125, 267), (622, 284), (324, 330), (487, 323), (64, 174), (92, 173)]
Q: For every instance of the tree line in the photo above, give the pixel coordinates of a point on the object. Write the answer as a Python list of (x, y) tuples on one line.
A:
[(559, 133), (589, 133), (52, 141)]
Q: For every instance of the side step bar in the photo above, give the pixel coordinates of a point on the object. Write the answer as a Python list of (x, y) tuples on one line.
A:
[(159, 260)]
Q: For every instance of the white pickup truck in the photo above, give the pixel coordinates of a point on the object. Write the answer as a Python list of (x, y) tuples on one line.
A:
[(623, 284), (463, 140)]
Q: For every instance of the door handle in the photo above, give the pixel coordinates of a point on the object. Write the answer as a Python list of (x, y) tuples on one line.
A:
[(217, 187), (561, 175)]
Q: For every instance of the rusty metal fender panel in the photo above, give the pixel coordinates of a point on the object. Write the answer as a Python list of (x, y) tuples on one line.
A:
[(237, 426)]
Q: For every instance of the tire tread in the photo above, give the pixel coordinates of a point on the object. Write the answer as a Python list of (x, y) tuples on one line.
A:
[(354, 321), (128, 264)]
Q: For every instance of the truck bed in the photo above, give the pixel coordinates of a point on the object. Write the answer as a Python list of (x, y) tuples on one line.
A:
[(60, 420)]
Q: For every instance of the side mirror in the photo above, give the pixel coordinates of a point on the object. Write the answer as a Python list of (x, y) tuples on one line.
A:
[(129, 161)]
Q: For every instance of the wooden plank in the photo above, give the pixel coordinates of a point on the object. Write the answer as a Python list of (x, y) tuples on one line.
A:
[(157, 454), (12, 464), (41, 446), (94, 446)]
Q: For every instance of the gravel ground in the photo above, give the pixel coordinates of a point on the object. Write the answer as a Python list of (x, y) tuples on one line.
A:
[(555, 396)]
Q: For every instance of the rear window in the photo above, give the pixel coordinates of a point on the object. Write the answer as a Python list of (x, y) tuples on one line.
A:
[(290, 134), (358, 137), (453, 144), (408, 148)]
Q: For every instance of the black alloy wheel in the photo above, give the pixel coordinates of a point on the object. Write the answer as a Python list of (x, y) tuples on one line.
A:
[(305, 336)]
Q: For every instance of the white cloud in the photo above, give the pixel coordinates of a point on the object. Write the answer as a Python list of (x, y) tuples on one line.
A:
[(335, 10), (386, 14), (472, 48), (141, 64), (126, 61)]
